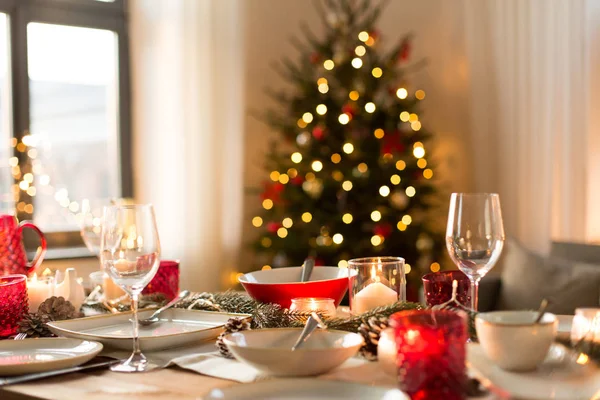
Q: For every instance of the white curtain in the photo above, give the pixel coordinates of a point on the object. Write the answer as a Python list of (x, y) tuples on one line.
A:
[(187, 124), (529, 64)]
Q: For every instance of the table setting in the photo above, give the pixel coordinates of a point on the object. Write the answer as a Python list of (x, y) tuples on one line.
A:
[(292, 332)]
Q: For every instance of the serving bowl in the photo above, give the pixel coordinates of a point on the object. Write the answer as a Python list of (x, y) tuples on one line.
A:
[(270, 350), (281, 285), (513, 341)]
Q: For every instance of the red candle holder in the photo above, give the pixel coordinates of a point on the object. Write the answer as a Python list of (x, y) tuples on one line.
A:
[(166, 280), (13, 303), (438, 288), (431, 353)]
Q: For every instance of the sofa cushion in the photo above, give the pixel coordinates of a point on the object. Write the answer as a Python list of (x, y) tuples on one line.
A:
[(527, 278)]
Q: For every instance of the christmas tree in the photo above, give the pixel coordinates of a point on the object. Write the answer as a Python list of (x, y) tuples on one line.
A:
[(350, 177)]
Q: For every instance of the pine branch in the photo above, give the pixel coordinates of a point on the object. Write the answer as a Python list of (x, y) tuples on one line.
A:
[(352, 324)]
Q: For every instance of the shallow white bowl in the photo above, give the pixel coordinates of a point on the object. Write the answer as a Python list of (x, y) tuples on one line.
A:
[(270, 350), (511, 339)]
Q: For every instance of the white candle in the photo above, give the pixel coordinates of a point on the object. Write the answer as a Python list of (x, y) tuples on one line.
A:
[(38, 290), (386, 352), (111, 290), (373, 295), (123, 265)]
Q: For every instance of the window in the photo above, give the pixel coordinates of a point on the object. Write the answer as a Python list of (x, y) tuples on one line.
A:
[(64, 111)]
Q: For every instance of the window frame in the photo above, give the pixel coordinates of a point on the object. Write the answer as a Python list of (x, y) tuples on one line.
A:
[(80, 13)]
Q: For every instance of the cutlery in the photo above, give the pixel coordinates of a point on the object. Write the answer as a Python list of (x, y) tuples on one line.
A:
[(541, 311), (307, 268), (21, 336), (154, 317), (47, 374), (311, 324)]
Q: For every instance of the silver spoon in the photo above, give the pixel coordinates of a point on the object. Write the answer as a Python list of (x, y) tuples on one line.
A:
[(307, 268), (541, 311), (311, 324), (154, 317)]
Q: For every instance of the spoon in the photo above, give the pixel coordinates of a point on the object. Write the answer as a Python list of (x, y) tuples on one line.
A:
[(311, 324), (541, 311), (307, 268), (154, 317)]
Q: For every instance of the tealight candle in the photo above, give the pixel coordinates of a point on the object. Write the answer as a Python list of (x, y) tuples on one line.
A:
[(379, 281), (323, 305), (38, 290), (586, 325)]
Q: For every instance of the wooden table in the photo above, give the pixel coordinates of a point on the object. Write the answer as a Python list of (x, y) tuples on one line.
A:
[(167, 384)]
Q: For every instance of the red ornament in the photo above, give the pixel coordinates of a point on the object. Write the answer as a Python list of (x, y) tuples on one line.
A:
[(272, 191), (392, 143), (349, 109), (383, 229), (272, 227), (315, 58), (318, 132), (298, 180), (404, 52)]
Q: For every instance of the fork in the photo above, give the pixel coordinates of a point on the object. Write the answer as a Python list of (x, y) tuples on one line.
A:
[(21, 336)]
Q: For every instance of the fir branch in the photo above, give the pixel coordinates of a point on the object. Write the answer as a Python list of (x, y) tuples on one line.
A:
[(353, 323)]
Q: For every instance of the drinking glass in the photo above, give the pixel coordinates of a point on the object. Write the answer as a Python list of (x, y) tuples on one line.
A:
[(130, 251), (475, 235)]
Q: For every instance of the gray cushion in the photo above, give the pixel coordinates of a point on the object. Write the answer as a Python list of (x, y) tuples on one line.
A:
[(527, 278)]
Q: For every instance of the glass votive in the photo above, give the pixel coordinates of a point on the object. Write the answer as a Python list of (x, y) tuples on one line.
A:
[(166, 280), (377, 281), (323, 305), (586, 326), (13, 303), (438, 288), (431, 352)]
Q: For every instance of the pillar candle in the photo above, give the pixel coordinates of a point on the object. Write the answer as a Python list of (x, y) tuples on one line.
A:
[(38, 290), (373, 295)]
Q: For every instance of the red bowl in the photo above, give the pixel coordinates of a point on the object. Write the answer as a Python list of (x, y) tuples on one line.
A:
[(281, 285)]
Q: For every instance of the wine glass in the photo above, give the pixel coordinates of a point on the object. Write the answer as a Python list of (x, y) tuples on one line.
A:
[(130, 251), (475, 235)]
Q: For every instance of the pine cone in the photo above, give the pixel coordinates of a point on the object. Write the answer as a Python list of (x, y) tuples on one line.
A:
[(57, 309), (371, 332), (34, 326), (232, 325)]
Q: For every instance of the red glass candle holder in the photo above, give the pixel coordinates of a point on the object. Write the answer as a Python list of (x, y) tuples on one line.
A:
[(13, 303), (431, 353), (438, 288), (166, 280)]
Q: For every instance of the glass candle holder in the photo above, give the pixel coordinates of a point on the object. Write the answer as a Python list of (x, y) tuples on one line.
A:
[(166, 280), (586, 326), (438, 288), (13, 303), (376, 282), (431, 352), (323, 305)]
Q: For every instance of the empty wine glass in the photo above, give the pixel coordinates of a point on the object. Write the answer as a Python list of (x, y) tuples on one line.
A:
[(475, 235), (130, 251)]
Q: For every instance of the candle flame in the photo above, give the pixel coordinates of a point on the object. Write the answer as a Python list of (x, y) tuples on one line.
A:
[(34, 277), (373, 273), (47, 272), (582, 359)]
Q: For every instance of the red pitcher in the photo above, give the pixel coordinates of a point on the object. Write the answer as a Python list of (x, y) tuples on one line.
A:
[(13, 259)]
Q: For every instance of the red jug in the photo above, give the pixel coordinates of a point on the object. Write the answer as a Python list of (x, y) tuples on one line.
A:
[(13, 259)]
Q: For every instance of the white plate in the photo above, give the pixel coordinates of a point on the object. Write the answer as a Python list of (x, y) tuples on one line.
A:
[(560, 377), (304, 389), (177, 327), (564, 327), (18, 357)]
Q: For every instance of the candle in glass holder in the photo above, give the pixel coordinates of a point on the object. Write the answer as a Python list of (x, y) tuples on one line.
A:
[(323, 305), (379, 281), (38, 290)]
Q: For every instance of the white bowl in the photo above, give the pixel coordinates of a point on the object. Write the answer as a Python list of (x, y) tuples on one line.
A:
[(270, 350), (511, 339)]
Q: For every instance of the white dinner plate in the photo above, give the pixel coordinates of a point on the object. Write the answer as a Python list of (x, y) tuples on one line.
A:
[(562, 376), (177, 327), (304, 389), (18, 357)]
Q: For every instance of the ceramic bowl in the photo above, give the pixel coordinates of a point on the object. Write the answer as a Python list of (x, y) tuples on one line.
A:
[(281, 285), (270, 350), (511, 339)]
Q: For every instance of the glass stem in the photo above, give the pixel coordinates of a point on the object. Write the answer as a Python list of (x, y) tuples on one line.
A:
[(474, 292), (134, 321)]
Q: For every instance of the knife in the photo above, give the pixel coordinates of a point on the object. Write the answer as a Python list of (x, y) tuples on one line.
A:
[(47, 374)]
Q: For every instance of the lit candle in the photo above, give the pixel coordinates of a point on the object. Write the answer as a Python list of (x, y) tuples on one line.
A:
[(586, 325), (322, 305), (38, 290), (375, 294), (123, 265)]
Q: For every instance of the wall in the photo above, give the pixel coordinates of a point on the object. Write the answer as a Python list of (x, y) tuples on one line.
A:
[(438, 36)]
